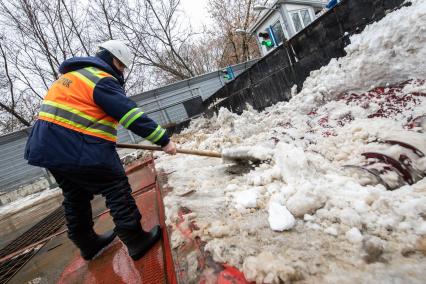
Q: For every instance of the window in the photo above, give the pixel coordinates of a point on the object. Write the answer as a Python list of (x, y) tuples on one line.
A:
[(278, 32), (305, 17), (301, 19), (296, 21)]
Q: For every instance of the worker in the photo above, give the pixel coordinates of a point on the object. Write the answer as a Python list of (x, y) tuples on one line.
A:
[(74, 138)]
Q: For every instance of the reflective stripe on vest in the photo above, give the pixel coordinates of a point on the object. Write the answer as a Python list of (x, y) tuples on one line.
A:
[(91, 76), (134, 114), (77, 118), (57, 111), (156, 134)]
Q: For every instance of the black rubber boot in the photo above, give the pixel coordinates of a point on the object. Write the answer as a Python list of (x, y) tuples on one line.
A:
[(90, 244), (139, 242)]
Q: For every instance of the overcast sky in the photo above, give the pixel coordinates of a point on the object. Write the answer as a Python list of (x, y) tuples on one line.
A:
[(196, 11)]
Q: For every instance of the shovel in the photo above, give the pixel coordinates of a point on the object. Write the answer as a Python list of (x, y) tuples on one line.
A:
[(228, 156)]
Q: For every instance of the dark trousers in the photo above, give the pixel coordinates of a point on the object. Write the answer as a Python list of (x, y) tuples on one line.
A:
[(79, 188)]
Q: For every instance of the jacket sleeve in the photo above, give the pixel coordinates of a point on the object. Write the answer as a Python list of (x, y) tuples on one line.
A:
[(110, 96)]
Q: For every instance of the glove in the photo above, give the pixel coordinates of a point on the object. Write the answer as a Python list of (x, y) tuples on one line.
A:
[(170, 148)]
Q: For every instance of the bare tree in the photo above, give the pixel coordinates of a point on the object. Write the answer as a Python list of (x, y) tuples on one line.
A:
[(156, 37), (104, 18), (36, 37), (105, 22), (7, 82), (228, 16)]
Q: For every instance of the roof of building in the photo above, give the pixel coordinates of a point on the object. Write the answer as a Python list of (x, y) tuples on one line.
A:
[(267, 12)]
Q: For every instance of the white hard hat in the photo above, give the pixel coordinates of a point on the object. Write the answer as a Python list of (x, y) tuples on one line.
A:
[(119, 49)]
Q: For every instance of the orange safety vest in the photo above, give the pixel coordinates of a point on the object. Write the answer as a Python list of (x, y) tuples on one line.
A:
[(69, 103)]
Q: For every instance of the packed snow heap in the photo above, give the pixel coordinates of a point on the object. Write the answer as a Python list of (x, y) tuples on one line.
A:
[(303, 214)]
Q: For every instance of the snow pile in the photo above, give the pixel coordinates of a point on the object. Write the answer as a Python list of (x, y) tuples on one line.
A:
[(354, 235), (268, 267), (302, 214), (246, 199), (280, 218), (28, 201)]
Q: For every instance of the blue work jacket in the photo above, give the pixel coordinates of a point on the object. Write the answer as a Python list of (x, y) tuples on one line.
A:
[(55, 147)]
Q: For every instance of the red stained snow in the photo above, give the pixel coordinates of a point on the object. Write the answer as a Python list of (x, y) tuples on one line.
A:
[(390, 101)]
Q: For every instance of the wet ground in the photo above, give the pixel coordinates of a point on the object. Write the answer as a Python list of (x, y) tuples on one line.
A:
[(48, 264), (14, 224)]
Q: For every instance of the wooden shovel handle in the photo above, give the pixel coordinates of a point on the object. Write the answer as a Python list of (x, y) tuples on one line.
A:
[(182, 151)]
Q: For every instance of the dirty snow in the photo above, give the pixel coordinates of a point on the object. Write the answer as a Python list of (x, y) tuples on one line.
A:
[(301, 215), (28, 201)]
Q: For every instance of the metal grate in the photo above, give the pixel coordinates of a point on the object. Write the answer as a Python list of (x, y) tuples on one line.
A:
[(10, 267), (151, 267), (43, 229)]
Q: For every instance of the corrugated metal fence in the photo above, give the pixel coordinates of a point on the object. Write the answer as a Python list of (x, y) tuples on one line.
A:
[(166, 105)]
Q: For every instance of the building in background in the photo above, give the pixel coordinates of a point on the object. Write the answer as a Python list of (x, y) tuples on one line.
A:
[(282, 20)]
